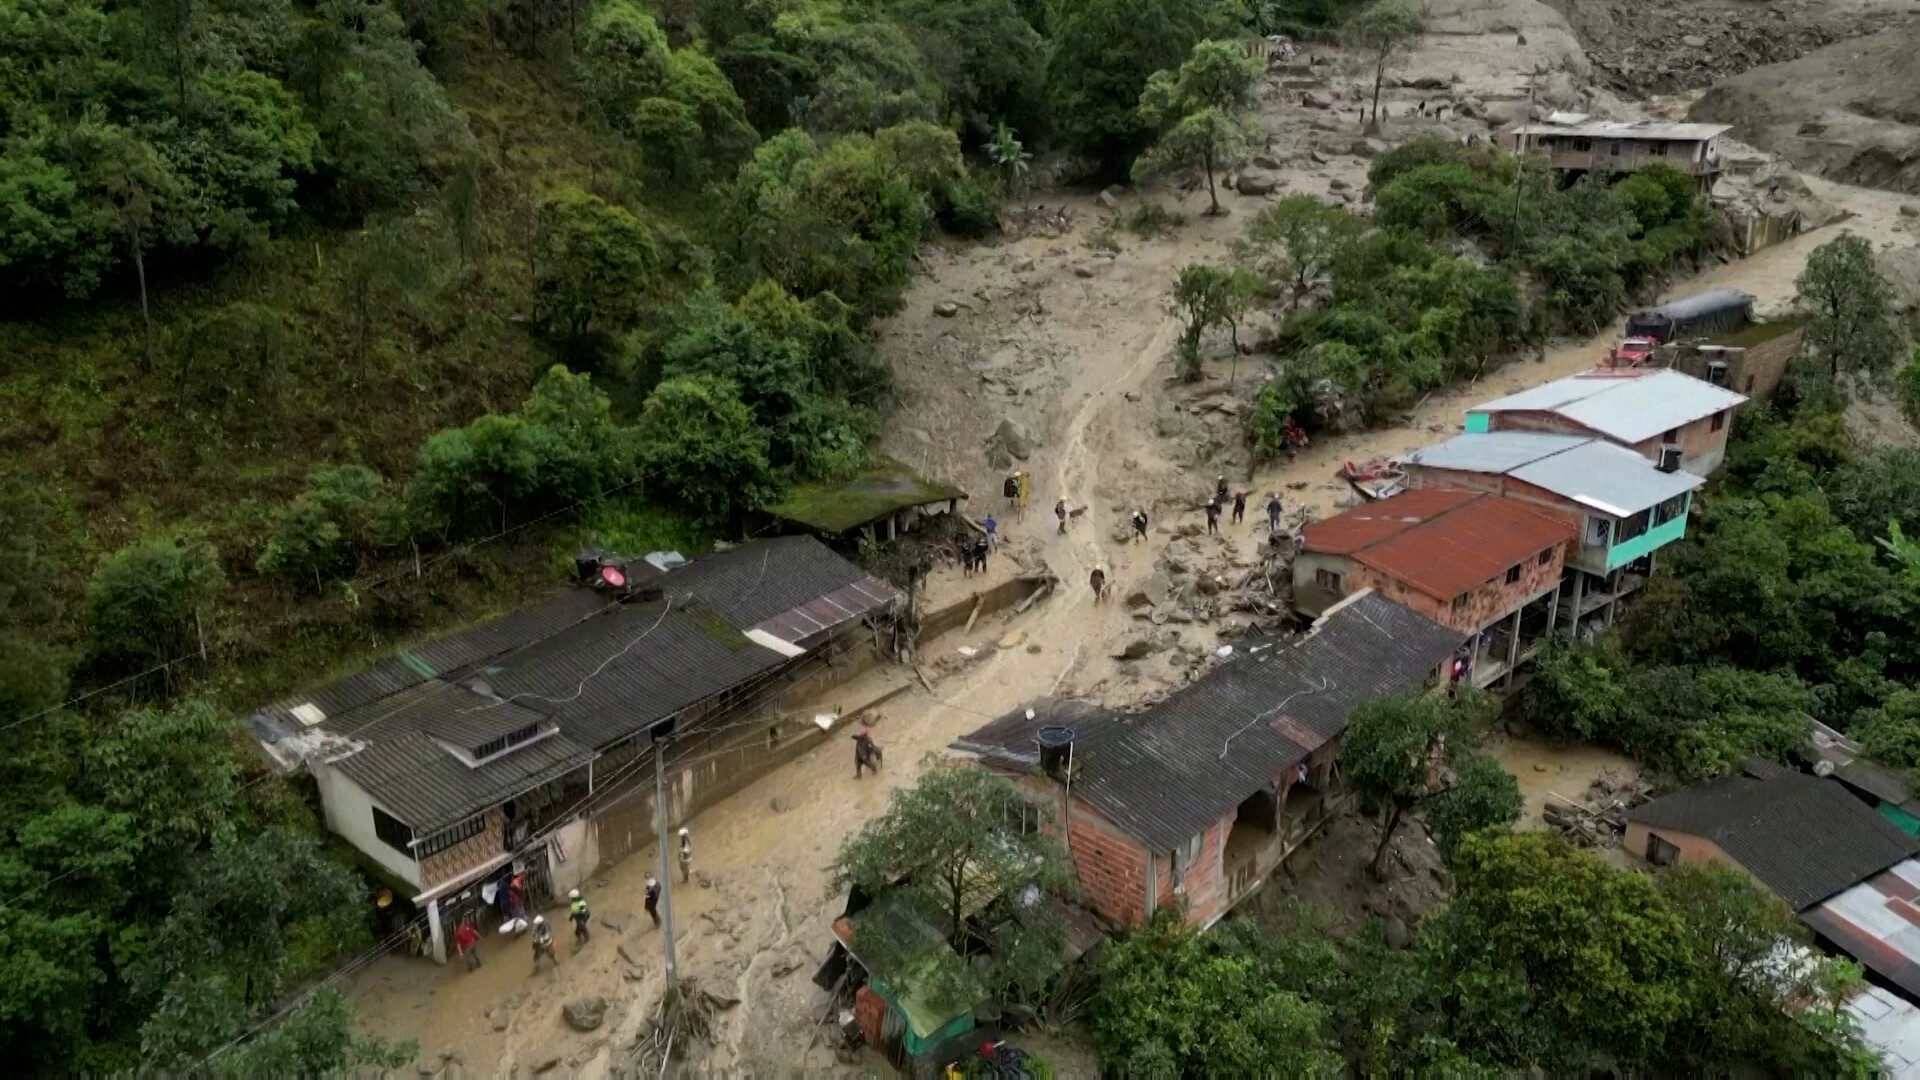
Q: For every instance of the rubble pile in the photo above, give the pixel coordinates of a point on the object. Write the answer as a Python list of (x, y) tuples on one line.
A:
[(1642, 49), (1600, 817)]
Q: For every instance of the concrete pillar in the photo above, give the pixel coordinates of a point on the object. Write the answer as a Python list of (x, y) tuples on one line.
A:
[(436, 932), (1150, 885), (1579, 598), (1553, 610), (1513, 645)]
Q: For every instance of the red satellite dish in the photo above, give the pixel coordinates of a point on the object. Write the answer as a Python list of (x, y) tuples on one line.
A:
[(613, 576)]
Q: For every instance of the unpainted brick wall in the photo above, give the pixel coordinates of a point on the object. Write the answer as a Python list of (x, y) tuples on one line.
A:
[(1485, 604)]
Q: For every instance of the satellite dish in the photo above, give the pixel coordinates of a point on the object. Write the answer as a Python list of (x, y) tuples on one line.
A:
[(613, 576), (1823, 767)]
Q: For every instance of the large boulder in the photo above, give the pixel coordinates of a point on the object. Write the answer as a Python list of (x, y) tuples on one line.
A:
[(1013, 437), (585, 1013), (1256, 183)]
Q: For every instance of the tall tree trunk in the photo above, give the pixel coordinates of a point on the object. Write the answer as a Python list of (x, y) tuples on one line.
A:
[(958, 881), (146, 316), (1386, 838), (1212, 195)]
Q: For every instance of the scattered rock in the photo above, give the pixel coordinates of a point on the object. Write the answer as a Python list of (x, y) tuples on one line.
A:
[(1909, 210), (500, 1018), (1539, 768), (1013, 437), (1316, 157), (428, 1070), (621, 948), (778, 805), (946, 309), (1012, 639), (918, 435), (786, 964), (1316, 101), (1138, 648), (1023, 265), (1034, 649), (546, 1062), (1265, 161), (1428, 82), (1693, 41), (615, 923), (1336, 184), (1082, 270), (1256, 183), (1367, 148), (585, 1014), (1109, 200)]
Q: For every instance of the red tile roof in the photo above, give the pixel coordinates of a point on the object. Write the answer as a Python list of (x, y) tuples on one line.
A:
[(1364, 526), (1466, 547)]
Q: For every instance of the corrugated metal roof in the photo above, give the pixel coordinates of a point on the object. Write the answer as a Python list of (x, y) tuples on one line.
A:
[(814, 619), (759, 580), (613, 676), (1491, 452), (1166, 773), (1623, 406), (1878, 923), (1370, 523), (1608, 478), (1475, 542), (404, 766), (1637, 129), (1635, 410), (1805, 838)]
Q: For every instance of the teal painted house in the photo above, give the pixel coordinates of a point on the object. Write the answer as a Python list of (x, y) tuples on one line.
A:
[(1624, 507)]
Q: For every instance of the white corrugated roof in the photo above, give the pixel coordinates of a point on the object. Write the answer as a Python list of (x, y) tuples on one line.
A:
[(1609, 478), (1626, 408), (1640, 129), (1491, 452)]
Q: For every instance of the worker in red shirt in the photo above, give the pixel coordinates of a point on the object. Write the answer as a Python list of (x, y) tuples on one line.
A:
[(467, 941)]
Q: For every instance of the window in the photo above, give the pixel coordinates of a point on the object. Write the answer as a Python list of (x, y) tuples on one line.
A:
[(1598, 529), (1658, 149), (1672, 436), (1720, 419), (1545, 557), (1633, 527), (1672, 508), (393, 831), (1513, 573), (1327, 579), (1582, 145), (448, 837), (1613, 148), (1659, 851), (1194, 846), (506, 742), (1460, 603)]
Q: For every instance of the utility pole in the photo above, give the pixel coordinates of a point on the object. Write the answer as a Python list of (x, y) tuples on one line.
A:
[(661, 734), (1520, 162)]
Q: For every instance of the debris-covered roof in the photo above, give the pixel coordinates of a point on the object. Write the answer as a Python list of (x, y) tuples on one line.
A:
[(1629, 406), (1475, 542), (1370, 523), (1878, 923), (406, 764), (1805, 838), (886, 487), (1164, 774), (1637, 129)]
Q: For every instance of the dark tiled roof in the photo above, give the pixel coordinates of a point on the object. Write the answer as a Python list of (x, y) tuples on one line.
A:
[(1166, 773), (614, 675), (1803, 837), (756, 581), (404, 766), (1370, 523)]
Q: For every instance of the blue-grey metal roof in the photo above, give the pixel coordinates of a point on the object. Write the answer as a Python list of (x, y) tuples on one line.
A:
[(1608, 478), (1491, 452), (1628, 408), (1701, 303), (404, 765), (756, 581), (1166, 773)]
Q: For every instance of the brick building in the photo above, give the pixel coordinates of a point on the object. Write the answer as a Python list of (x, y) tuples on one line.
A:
[(1193, 802), (1624, 507), (1482, 564), (1642, 409), (521, 746)]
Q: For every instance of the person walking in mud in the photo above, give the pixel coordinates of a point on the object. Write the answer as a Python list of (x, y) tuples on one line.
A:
[(1213, 518), (653, 900), (1273, 512), (1239, 506), (866, 752), (686, 856), (1060, 512), (1220, 491), (1139, 526), (577, 911), (1098, 579), (467, 941), (543, 943)]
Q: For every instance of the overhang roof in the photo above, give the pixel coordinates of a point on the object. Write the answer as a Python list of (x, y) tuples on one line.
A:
[(1475, 542), (1626, 407), (885, 488), (1639, 129), (1370, 523), (1592, 472)]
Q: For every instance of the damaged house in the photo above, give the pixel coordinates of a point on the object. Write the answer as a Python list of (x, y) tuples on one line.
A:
[(522, 746), (1194, 801)]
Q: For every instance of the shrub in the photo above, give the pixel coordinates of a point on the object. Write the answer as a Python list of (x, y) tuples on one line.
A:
[(151, 602)]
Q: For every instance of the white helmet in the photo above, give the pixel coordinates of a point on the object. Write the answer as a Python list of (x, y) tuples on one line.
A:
[(683, 832), (539, 920), (573, 894)]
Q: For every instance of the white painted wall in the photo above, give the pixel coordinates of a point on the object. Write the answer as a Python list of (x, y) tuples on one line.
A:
[(580, 840), (349, 810)]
